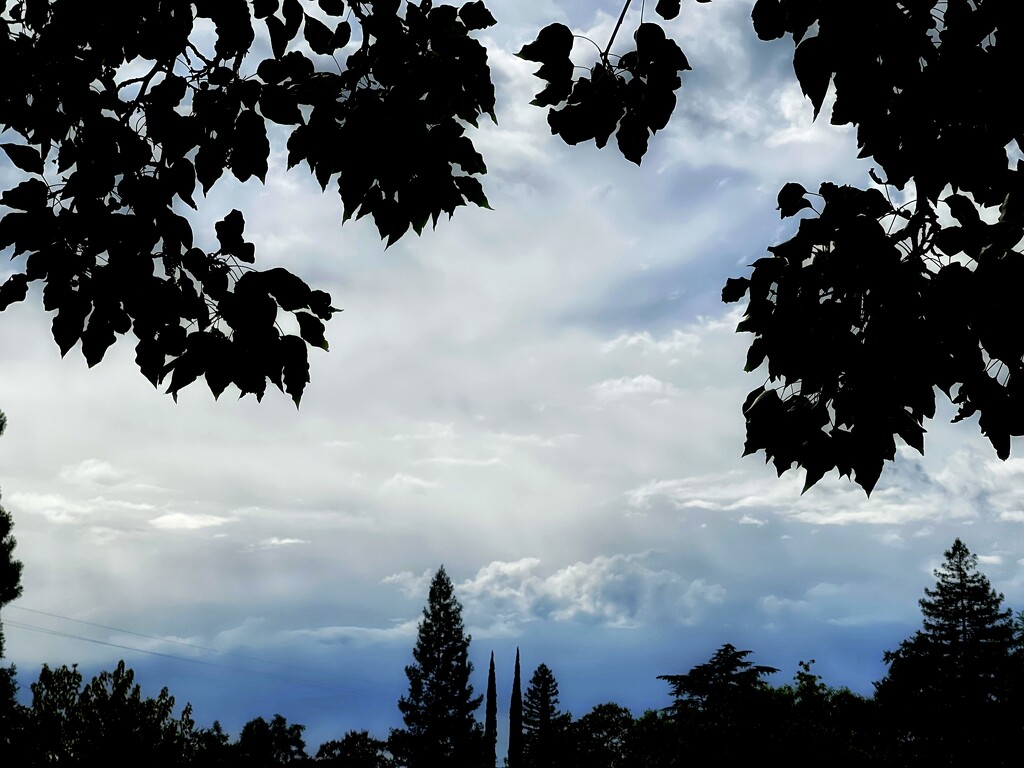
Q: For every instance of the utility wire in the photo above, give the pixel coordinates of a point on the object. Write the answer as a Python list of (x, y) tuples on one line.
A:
[(58, 633), (161, 639)]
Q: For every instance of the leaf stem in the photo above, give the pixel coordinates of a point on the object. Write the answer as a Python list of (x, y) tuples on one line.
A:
[(616, 30)]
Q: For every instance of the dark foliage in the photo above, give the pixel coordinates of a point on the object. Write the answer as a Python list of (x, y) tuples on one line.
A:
[(878, 300), (954, 674), (515, 721), (544, 727), (438, 710), (490, 746), (111, 161)]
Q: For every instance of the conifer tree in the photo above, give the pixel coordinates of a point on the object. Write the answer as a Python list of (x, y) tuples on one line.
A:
[(490, 758), (438, 711), (955, 672), (542, 722), (515, 722)]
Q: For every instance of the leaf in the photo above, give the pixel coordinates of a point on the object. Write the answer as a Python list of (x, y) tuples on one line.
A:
[(229, 231), (735, 289), (312, 330), (291, 292), (278, 105), (211, 160), (553, 43), (279, 37), (26, 196), (476, 16), (963, 210), (293, 15), (332, 7), (263, 8), (251, 148), (667, 9), (769, 19), (472, 190), (26, 158), (295, 366), (813, 68), (632, 137), (319, 36), (14, 289), (791, 200)]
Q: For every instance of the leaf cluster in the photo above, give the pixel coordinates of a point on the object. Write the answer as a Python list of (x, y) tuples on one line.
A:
[(631, 95), (874, 304), (120, 116)]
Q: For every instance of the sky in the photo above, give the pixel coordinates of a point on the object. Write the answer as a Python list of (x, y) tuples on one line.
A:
[(544, 397)]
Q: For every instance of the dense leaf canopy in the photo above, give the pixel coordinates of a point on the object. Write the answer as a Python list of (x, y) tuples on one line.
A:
[(124, 111)]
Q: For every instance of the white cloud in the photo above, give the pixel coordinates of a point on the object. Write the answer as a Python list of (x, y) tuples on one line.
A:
[(751, 520), (617, 590), (275, 542), (402, 483), (189, 521), (411, 585), (92, 471), (628, 386), (52, 506), (677, 341)]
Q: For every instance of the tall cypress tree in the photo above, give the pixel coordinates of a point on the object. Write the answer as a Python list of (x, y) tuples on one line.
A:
[(954, 673), (438, 710), (490, 759), (515, 722)]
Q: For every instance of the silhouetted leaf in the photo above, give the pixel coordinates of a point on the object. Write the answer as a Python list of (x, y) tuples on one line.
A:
[(812, 64), (769, 19), (319, 36), (26, 158), (14, 289), (791, 200), (667, 9), (476, 16), (27, 196)]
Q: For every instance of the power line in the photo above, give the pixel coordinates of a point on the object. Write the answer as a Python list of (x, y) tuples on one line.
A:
[(58, 633), (161, 639)]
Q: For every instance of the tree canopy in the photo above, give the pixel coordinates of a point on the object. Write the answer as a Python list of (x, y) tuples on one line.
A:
[(883, 295), (956, 672), (438, 710)]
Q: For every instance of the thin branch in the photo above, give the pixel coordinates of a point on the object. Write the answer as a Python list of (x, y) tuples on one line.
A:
[(616, 30)]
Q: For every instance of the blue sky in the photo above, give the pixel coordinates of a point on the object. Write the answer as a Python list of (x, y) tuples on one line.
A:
[(544, 397)]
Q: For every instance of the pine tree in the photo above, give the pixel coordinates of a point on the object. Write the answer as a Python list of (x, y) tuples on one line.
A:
[(954, 673), (542, 723), (490, 758), (515, 722), (438, 710)]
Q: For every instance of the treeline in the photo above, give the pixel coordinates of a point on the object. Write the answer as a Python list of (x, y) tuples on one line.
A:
[(953, 694)]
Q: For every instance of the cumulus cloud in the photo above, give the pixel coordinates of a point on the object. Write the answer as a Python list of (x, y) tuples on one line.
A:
[(618, 590), (410, 584)]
